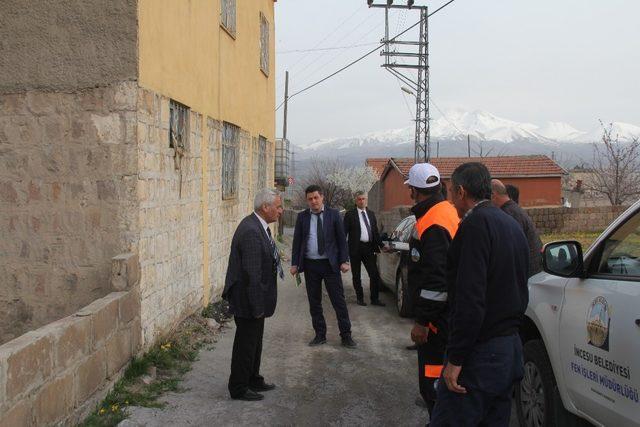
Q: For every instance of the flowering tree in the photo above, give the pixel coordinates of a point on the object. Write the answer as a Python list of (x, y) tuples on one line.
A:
[(354, 179), (339, 183)]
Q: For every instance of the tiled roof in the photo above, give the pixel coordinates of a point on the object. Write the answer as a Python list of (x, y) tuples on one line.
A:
[(499, 167), (378, 164)]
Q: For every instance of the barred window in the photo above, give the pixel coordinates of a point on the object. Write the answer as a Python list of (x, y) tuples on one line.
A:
[(264, 44), (261, 178), (228, 16), (230, 147), (178, 124)]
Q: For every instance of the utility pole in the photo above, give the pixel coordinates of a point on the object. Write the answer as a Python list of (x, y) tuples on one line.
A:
[(286, 105), (438, 148), (468, 146), (285, 147), (417, 53)]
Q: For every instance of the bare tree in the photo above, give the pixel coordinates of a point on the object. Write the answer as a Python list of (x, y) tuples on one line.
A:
[(616, 168), (480, 149)]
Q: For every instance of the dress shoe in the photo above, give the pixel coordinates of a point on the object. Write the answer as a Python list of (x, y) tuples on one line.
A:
[(262, 387), (378, 303), (249, 396), (361, 302), (349, 342), (412, 347), (317, 341)]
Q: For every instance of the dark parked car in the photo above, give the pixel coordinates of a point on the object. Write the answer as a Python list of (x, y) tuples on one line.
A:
[(393, 265)]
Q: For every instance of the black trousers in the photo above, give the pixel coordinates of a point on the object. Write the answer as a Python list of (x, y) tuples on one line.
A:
[(430, 364), (489, 374), (366, 256), (247, 352), (315, 271)]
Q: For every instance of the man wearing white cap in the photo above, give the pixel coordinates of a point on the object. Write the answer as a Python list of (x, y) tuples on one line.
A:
[(436, 225)]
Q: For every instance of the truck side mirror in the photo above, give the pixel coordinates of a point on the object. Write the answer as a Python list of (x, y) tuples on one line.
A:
[(563, 259)]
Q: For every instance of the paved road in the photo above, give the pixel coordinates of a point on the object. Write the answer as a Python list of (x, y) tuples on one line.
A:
[(327, 385), (374, 384)]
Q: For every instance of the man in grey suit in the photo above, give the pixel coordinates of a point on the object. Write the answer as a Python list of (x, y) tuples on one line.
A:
[(251, 290)]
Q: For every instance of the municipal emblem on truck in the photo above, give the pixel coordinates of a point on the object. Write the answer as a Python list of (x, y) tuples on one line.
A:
[(598, 323)]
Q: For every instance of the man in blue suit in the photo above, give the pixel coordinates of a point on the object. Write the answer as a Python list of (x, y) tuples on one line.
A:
[(320, 252)]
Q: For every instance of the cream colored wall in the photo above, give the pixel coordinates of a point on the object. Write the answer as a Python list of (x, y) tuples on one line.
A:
[(186, 55)]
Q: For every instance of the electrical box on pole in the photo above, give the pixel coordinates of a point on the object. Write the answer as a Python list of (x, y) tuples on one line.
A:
[(414, 72)]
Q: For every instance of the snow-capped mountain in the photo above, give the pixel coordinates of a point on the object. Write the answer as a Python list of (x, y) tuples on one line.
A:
[(625, 132), (490, 135), (482, 126), (561, 132)]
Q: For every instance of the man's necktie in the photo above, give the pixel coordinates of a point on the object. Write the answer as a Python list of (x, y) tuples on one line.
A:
[(276, 254), (366, 223), (319, 233)]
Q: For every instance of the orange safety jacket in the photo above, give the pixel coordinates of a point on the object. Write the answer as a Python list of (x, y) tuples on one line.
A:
[(442, 214)]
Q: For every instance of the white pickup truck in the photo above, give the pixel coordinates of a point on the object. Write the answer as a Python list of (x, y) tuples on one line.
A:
[(582, 332)]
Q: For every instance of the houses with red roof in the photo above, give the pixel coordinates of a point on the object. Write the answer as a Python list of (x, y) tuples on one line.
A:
[(538, 178)]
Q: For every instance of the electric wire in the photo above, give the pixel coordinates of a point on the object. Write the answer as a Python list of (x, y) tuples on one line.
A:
[(300, 73), (445, 117), (308, 75), (331, 33), (362, 57), (326, 48)]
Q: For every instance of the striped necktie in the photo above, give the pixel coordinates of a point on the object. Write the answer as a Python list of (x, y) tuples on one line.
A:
[(275, 254)]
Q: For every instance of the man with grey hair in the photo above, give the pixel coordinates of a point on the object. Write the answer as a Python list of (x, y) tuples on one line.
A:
[(361, 229), (251, 290), (501, 199)]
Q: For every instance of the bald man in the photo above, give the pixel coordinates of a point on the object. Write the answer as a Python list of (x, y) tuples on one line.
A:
[(500, 199)]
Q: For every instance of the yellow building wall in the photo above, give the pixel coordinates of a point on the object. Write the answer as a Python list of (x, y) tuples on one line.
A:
[(185, 54)]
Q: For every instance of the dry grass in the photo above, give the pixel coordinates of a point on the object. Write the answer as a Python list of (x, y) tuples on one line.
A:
[(585, 239)]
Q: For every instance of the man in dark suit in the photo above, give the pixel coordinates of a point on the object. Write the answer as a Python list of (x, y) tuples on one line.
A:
[(361, 228), (320, 252), (501, 199), (251, 289)]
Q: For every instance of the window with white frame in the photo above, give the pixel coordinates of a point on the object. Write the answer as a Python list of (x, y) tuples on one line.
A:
[(230, 148), (228, 16), (264, 44)]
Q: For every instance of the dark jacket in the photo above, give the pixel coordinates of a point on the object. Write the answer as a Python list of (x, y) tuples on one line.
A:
[(530, 232), (429, 271), (487, 270), (335, 241), (251, 284), (352, 230)]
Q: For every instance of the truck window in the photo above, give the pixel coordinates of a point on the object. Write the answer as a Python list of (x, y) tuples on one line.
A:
[(621, 251)]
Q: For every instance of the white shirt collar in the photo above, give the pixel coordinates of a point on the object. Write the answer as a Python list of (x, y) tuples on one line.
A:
[(362, 210), (262, 221)]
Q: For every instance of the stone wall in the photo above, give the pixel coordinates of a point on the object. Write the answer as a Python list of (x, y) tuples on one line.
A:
[(169, 193), (186, 233), (64, 44), (388, 220), (571, 220), (68, 166), (224, 215), (376, 197), (57, 373), (547, 220)]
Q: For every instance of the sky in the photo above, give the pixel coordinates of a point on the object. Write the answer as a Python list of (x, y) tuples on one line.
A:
[(574, 61)]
